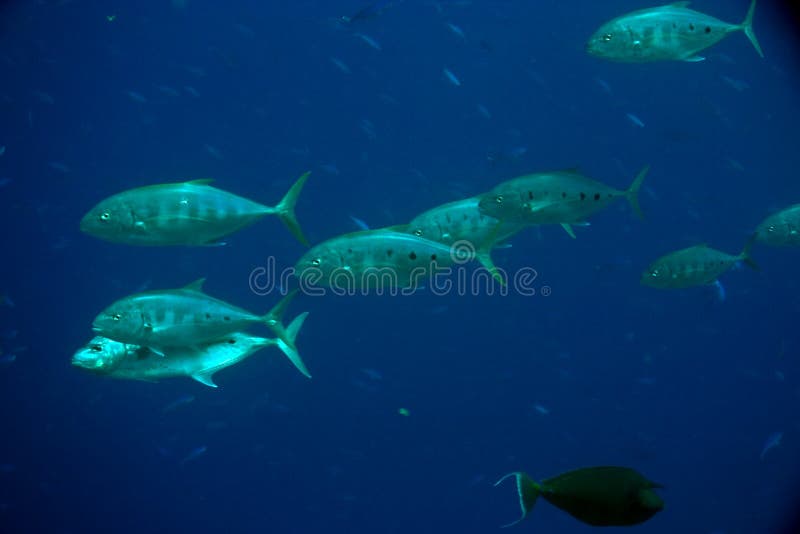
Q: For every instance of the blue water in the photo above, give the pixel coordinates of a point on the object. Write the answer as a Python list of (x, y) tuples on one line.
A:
[(678, 385)]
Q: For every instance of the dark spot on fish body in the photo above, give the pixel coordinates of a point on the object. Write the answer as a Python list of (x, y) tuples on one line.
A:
[(231, 341), (208, 315), (691, 27), (389, 253), (564, 195), (530, 195), (412, 256), (226, 318), (597, 196), (708, 29), (433, 257), (583, 196)]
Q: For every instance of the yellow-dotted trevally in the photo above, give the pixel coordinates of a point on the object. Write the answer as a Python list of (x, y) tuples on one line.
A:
[(180, 317), (107, 357), (693, 266), (461, 220), (187, 213), (668, 32), (564, 197), (382, 258), (781, 229)]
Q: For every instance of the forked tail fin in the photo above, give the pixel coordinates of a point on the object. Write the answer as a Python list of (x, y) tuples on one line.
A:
[(747, 28), (632, 194), (528, 492), (290, 350), (285, 209)]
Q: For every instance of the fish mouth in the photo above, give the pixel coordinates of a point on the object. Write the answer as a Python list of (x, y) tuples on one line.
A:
[(96, 329)]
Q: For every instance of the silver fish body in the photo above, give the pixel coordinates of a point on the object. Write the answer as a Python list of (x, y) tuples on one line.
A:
[(188, 213), (668, 32)]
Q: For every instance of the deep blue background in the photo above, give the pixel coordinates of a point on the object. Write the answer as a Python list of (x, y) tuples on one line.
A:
[(676, 384)]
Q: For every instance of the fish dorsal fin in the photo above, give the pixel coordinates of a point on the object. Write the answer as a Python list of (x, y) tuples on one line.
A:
[(680, 4), (200, 181), (197, 285), (206, 378)]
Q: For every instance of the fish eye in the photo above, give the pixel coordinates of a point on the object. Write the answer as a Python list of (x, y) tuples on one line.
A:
[(654, 273), (116, 317), (105, 216), (418, 232), (606, 37), (96, 348), (771, 228), (316, 262), (498, 199)]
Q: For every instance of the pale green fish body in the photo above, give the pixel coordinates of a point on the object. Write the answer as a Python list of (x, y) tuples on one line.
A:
[(179, 317), (379, 258), (187, 213), (564, 197), (105, 356), (781, 229), (461, 220), (668, 32), (693, 266)]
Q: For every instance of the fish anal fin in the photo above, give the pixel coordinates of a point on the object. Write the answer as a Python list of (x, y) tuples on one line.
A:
[(694, 59), (568, 228)]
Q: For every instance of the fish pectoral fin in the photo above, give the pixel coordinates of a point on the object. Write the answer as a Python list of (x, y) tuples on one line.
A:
[(206, 378), (568, 228), (694, 59)]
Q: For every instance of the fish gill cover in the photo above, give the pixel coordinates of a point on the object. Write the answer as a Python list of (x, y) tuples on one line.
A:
[(539, 347)]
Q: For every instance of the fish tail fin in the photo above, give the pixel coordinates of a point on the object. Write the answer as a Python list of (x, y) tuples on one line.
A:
[(285, 209), (290, 350), (747, 28), (745, 255), (528, 492), (274, 319), (632, 194)]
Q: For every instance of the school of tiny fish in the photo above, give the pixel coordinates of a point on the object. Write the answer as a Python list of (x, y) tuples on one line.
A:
[(157, 334)]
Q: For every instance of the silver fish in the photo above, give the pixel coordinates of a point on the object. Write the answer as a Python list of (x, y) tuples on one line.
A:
[(104, 356), (668, 32), (187, 213), (180, 317)]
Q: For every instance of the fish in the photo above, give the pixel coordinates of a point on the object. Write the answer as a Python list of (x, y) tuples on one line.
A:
[(462, 221), (669, 32), (452, 78), (379, 259), (188, 213), (136, 97), (694, 266), (598, 496), (456, 30), (183, 400), (2, 150), (635, 120), (369, 12), (193, 455), (362, 225), (105, 357), (341, 65), (773, 440), (562, 197), (187, 316), (369, 40), (781, 229)]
